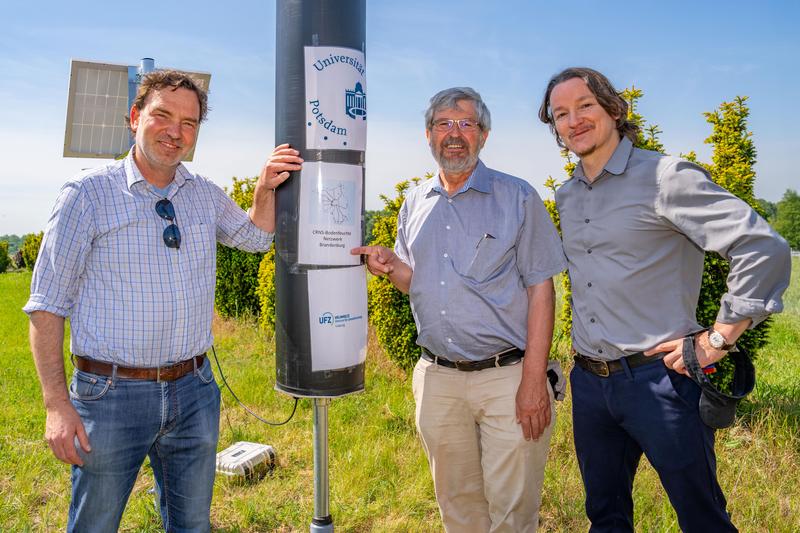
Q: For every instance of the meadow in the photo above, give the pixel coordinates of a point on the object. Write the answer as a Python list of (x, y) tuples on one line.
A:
[(379, 479)]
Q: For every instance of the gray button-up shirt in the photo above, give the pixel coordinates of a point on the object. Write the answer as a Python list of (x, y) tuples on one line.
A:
[(634, 241), (473, 255)]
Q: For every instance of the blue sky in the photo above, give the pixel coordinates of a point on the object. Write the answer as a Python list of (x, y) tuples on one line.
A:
[(688, 57)]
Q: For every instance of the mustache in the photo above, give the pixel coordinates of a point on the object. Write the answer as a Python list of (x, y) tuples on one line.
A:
[(454, 140), (176, 142)]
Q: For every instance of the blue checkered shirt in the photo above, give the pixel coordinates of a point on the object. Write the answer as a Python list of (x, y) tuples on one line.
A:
[(103, 263)]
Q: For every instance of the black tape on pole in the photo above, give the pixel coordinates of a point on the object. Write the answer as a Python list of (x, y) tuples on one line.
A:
[(300, 24)]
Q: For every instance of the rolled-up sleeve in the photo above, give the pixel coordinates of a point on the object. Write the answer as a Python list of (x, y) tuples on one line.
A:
[(62, 254), (716, 220), (539, 252), (234, 227)]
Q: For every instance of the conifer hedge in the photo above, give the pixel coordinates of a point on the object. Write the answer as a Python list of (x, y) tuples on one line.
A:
[(389, 309), (237, 271), (5, 260), (30, 248)]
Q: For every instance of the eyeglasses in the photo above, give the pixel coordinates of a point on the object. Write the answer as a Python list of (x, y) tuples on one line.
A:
[(172, 235), (466, 125)]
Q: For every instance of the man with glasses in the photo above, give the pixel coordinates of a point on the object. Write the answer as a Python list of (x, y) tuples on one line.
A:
[(129, 255), (475, 252), (635, 224)]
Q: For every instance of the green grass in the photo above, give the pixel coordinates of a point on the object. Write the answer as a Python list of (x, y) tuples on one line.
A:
[(378, 474)]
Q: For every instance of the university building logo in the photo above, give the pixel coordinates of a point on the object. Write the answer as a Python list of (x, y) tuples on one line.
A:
[(336, 98), (355, 102)]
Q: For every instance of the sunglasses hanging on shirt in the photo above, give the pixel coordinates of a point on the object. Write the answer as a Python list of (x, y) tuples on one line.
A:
[(172, 235)]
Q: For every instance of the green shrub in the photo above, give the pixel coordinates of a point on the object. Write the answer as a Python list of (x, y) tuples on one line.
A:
[(733, 159), (5, 260), (30, 248), (389, 309), (237, 281), (565, 313), (266, 291), (369, 223), (237, 271), (787, 218)]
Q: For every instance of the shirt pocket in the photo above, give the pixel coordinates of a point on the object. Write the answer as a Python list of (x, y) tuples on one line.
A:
[(199, 243), (490, 257)]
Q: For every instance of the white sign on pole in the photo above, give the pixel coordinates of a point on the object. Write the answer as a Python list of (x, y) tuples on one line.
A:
[(329, 222), (336, 99), (337, 308)]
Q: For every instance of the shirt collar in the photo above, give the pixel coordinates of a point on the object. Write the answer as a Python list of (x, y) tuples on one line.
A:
[(480, 180), (616, 164), (133, 176)]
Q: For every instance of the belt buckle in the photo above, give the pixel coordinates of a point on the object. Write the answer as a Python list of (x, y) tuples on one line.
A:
[(165, 373), (603, 368), (458, 363)]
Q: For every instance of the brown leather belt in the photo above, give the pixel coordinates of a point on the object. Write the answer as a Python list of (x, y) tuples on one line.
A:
[(509, 357), (604, 369), (163, 373)]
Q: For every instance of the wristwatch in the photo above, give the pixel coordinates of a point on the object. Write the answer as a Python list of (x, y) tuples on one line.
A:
[(718, 341)]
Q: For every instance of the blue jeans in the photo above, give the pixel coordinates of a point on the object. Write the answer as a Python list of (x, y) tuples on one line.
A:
[(175, 423), (652, 410)]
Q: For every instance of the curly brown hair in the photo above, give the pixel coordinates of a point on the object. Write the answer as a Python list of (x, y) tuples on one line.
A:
[(174, 79)]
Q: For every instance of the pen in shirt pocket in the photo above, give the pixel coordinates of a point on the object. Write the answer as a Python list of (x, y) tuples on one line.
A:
[(486, 236)]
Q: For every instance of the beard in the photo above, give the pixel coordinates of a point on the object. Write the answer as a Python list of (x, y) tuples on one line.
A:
[(455, 163), (149, 150), (583, 152)]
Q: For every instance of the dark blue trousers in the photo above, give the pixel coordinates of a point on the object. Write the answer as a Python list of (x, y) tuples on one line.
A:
[(653, 410)]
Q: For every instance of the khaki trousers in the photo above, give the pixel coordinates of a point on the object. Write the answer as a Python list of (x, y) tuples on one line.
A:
[(487, 477)]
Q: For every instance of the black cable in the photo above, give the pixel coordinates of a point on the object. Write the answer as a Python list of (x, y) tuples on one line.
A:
[(250, 411)]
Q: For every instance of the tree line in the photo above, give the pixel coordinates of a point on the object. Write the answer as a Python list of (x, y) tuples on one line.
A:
[(784, 216), (19, 252)]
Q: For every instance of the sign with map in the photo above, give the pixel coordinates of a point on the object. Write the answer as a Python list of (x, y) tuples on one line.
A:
[(336, 98), (329, 222)]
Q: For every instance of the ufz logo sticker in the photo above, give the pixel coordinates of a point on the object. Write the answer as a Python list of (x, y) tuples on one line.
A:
[(326, 319)]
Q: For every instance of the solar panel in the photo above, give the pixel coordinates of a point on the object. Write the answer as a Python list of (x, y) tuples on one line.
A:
[(96, 109)]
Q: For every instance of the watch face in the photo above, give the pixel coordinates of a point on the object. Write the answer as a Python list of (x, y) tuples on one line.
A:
[(716, 340)]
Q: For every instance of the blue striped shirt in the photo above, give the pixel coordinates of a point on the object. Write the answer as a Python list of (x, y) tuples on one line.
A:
[(103, 263)]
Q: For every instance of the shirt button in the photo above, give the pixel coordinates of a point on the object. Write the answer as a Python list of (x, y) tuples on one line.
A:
[(449, 200), (443, 312), (447, 227), (599, 350), (586, 220), (449, 339), (591, 320), (589, 284), (441, 283), (590, 187), (445, 254), (589, 251)]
